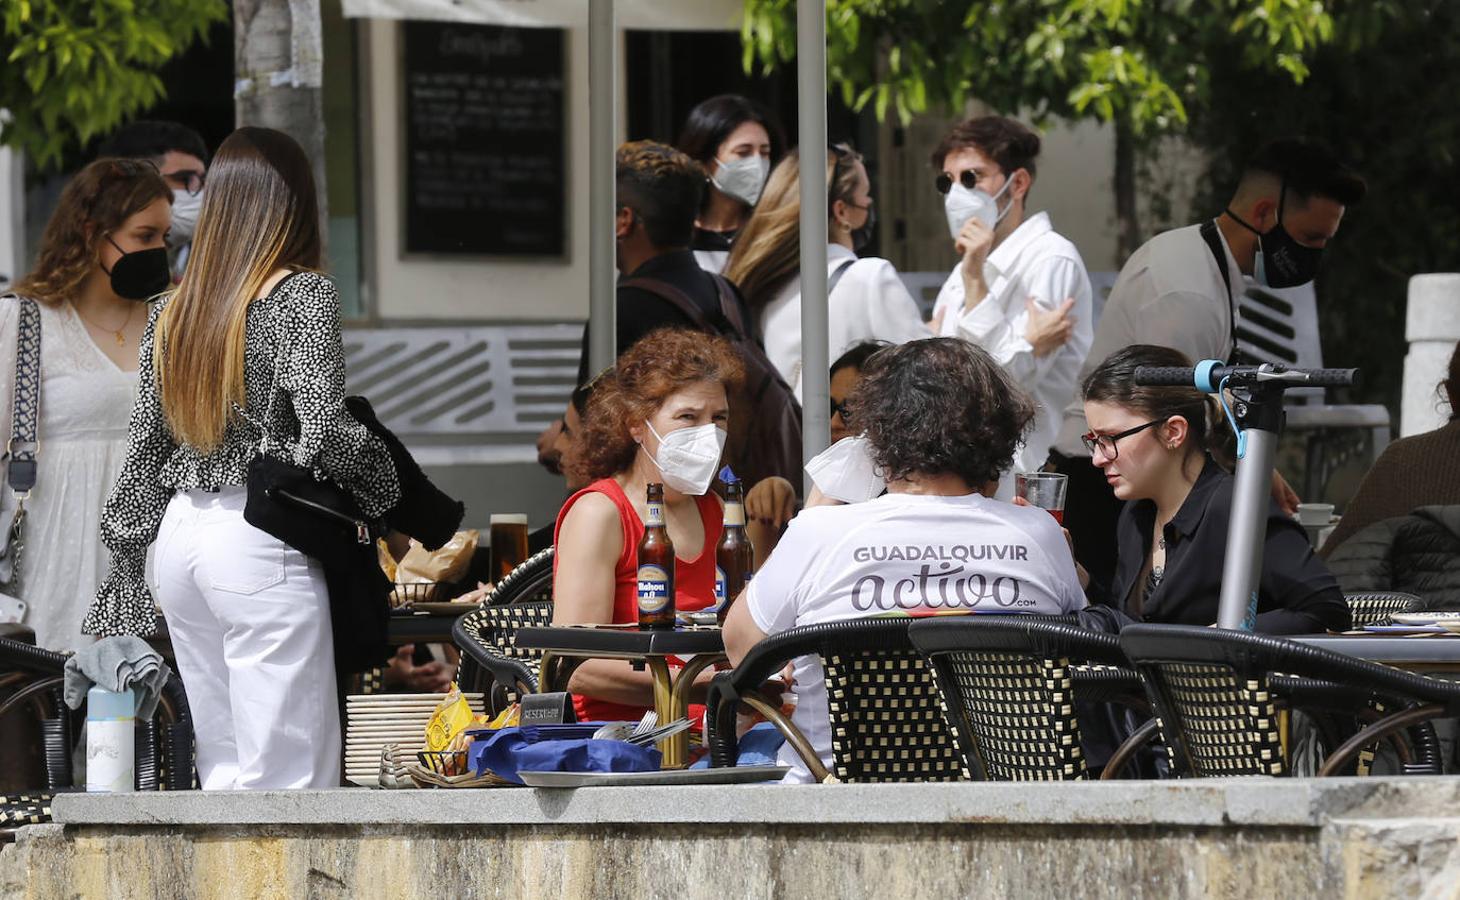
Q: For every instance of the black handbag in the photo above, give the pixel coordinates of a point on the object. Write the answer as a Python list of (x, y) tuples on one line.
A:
[(317, 518)]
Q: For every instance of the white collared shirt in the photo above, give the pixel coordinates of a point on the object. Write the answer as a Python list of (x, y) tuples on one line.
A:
[(868, 303), (1170, 293), (1033, 261)]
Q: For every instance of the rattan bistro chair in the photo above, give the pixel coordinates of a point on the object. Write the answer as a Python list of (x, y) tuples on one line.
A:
[(31, 679), (1218, 693), (485, 635), (886, 722), (1009, 687), (1375, 607)]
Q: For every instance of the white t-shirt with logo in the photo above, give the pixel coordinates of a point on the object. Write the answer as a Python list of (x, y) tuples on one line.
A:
[(905, 554)]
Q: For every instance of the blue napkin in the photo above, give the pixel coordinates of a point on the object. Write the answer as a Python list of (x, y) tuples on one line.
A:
[(556, 748), (757, 747)]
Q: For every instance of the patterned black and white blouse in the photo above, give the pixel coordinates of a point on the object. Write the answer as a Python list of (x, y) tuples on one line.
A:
[(294, 382)]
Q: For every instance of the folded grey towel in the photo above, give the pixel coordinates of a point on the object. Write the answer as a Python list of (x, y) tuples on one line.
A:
[(116, 664)]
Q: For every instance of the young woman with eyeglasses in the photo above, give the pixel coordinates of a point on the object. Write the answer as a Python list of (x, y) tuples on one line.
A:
[(1152, 445), (867, 300)]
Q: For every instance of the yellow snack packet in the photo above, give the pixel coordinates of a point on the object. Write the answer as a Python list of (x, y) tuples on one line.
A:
[(507, 718), (452, 716)]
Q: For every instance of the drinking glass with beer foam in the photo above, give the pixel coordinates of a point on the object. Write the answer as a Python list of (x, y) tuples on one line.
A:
[(1045, 490), (509, 543)]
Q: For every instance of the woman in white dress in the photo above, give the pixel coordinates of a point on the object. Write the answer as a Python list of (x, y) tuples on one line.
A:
[(867, 301), (102, 256)]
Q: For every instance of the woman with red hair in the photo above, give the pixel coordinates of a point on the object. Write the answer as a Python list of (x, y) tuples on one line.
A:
[(658, 417)]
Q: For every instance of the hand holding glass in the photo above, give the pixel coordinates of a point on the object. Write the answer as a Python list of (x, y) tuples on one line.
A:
[(1045, 490)]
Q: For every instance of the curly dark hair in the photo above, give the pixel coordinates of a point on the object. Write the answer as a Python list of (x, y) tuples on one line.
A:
[(940, 406), (1005, 141), (658, 364)]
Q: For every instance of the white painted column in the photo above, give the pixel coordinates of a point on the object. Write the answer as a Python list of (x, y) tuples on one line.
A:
[(1432, 327)]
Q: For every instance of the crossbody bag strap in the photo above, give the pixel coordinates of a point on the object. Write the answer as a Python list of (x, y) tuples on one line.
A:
[(25, 422)]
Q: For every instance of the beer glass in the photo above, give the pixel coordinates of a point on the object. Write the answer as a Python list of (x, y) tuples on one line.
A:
[(509, 542), (1045, 490)]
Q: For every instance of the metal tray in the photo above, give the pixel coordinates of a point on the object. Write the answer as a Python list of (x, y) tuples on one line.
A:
[(728, 775)]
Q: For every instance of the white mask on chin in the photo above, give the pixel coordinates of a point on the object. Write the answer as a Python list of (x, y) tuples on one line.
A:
[(689, 457), (845, 471)]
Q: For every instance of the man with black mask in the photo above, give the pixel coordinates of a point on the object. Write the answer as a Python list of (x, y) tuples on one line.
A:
[(1181, 289)]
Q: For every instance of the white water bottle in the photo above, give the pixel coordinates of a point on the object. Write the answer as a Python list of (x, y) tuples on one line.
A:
[(111, 747)]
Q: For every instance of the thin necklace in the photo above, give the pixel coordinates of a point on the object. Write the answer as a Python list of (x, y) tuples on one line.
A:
[(118, 333)]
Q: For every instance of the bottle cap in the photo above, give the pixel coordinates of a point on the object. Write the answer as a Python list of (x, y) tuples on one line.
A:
[(728, 476)]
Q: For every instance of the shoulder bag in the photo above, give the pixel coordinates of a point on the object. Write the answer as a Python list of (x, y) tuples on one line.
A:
[(22, 445)]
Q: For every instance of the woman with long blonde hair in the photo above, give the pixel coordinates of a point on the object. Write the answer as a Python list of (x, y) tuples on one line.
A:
[(866, 299), (101, 258), (244, 359)]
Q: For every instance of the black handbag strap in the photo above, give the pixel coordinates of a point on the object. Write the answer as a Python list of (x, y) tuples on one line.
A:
[(24, 440), (1214, 244)]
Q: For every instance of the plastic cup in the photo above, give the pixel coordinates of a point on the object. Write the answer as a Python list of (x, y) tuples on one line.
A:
[(1045, 490)]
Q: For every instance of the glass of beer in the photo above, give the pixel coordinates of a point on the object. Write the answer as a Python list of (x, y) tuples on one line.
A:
[(509, 542), (1045, 490)]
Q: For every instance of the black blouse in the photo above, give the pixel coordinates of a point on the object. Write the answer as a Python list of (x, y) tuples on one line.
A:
[(294, 386), (1296, 593)]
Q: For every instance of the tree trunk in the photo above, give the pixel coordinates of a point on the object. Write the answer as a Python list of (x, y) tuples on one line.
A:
[(1127, 222), (278, 72)]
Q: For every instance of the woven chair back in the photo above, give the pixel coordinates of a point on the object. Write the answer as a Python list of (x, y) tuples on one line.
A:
[(1226, 724), (1375, 608), (1013, 714), (886, 718)]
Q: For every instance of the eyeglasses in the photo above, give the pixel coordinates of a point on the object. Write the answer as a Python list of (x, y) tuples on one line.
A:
[(1106, 442), (944, 183), (190, 180), (841, 410)]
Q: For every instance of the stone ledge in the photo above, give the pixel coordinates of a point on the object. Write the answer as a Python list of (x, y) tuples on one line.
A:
[(1254, 801)]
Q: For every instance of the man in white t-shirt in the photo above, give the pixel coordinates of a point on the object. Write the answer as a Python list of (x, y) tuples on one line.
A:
[(942, 420), (1020, 291)]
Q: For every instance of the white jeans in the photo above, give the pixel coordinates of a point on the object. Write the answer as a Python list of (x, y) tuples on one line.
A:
[(249, 618)]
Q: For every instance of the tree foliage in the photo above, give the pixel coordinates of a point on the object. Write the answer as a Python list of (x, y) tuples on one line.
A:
[(1141, 63), (74, 69)]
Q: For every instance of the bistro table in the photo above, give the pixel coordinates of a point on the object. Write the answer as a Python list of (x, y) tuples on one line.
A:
[(649, 649), (1421, 653)]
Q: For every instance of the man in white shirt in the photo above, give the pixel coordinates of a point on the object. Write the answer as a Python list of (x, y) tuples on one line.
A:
[(1181, 288), (941, 419), (1021, 290)]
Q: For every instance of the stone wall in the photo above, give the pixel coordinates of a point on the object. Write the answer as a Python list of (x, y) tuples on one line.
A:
[(1240, 839)]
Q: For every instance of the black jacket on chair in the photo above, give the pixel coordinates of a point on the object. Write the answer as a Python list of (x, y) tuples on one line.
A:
[(359, 590), (1418, 554)]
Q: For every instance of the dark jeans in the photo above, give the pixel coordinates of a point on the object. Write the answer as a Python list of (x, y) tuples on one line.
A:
[(1091, 511)]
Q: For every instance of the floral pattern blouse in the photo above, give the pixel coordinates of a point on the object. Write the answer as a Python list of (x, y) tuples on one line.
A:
[(294, 382)]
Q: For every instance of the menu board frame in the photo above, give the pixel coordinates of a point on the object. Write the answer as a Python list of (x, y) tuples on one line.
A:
[(420, 242)]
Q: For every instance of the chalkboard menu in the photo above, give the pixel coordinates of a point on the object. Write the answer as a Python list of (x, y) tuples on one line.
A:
[(484, 140)]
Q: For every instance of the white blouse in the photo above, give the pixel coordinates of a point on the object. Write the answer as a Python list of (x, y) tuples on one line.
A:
[(868, 303), (85, 402)]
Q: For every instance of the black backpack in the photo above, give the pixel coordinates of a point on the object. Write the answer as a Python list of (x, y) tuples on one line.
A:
[(765, 419)]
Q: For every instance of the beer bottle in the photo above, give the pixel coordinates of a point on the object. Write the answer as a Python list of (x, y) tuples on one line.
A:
[(656, 566), (734, 556)]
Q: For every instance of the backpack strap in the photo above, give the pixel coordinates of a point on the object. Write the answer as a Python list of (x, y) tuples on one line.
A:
[(676, 298), (24, 427)]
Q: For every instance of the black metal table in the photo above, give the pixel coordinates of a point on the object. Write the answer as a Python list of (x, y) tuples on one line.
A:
[(651, 648), (422, 628)]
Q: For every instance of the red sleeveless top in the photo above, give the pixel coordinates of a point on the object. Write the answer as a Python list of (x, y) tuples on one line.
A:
[(694, 579)]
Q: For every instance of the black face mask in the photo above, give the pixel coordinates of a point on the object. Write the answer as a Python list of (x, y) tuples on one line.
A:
[(862, 235), (141, 274), (1281, 261)]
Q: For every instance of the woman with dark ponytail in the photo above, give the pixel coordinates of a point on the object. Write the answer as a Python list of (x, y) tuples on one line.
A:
[(1152, 444)]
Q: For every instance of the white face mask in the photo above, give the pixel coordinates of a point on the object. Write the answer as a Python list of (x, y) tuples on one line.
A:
[(185, 209), (688, 457), (845, 471), (743, 178), (961, 204)]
